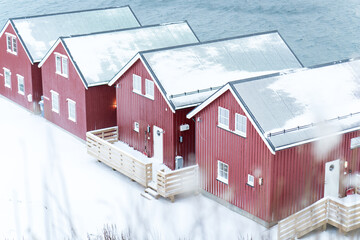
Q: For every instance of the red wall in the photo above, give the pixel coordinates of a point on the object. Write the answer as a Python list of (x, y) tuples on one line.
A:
[(19, 64), (72, 88), (132, 107), (299, 174), (94, 106), (100, 107), (293, 178), (243, 155)]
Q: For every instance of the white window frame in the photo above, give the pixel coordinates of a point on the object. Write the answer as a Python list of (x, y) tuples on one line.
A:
[(61, 65), (137, 84), (355, 143), (136, 127), (71, 105), (54, 109), (251, 180), (149, 89), (223, 120), (20, 82), (222, 172), (240, 124), (13, 46), (7, 82)]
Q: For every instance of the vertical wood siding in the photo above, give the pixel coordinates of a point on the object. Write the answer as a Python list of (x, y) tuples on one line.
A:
[(67, 88), (299, 174), (19, 64), (243, 155), (133, 107), (100, 107)]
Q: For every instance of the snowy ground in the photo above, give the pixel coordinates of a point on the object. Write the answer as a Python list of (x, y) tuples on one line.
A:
[(50, 188)]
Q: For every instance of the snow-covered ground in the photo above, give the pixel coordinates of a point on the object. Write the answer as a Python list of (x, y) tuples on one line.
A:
[(50, 188)]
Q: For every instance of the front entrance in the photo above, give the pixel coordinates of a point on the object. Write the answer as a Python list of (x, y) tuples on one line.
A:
[(158, 143), (332, 178)]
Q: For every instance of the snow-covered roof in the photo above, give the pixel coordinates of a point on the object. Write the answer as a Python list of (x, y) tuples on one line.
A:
[(39, 33), (304, 105), (212, 64), (100, 56)]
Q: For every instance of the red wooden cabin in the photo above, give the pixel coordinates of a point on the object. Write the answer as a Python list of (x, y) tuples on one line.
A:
[(266, 145), (158, 88), (25, 41), (77, 69)]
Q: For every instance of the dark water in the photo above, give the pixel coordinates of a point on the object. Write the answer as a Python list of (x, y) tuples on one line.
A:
[(318, 31)]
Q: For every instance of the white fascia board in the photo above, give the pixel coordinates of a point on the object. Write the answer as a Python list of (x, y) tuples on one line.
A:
[(208, 101), (124, 69), (188, 106), (252, 122), (60, 41), (48, 54), (316, 139), (4, 28), (219, 93), (127, 67), (18, 37)]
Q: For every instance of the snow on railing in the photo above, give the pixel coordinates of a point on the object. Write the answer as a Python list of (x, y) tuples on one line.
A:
[(99, 144)]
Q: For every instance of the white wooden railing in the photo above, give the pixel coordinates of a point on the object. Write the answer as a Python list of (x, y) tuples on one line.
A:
[(99, 144), (325, 211), (176, 182)]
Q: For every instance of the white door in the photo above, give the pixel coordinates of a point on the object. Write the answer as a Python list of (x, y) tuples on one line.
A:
[(332, 178), (158, 143)]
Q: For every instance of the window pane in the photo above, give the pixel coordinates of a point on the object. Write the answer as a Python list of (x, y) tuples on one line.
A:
[(55, 101), (136, 83), (21, 84), (149, 91), (58, 64), (8, 47), (14, 44), (7, 74), (72, 110), (65, 66)]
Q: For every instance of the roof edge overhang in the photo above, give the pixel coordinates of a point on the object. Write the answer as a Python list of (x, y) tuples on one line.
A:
[(316, 139), (51, 50), (10, 22), (249, 115), (128, 65)]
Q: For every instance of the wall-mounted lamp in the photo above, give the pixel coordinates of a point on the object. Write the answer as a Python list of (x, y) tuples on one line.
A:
[(261, 181), (345, 164)]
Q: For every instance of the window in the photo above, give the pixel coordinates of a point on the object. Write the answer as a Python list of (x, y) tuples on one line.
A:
[(223, 117), (61, 64), (7, 77), (149, 89), (136, 83), (240, 124), (223, 172), (11, 43), (250, 180), (72, 110), (55, 102), (21, 88), (136, 126), (355, 143)]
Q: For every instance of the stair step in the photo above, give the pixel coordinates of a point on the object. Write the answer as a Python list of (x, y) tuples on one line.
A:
[(152, 193), (152, 185), (146, 195)]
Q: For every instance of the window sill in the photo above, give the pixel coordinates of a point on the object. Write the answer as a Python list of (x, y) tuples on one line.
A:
[(250, 185), (223, 181), (21, 93), (63, 75), (234, 132), (55, 111), (149, 97), (13, 53), (137, 92), (8, 86), (73, 120)]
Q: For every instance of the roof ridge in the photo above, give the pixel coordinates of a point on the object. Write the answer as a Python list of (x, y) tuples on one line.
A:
[(212, 41), (70, 12)]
